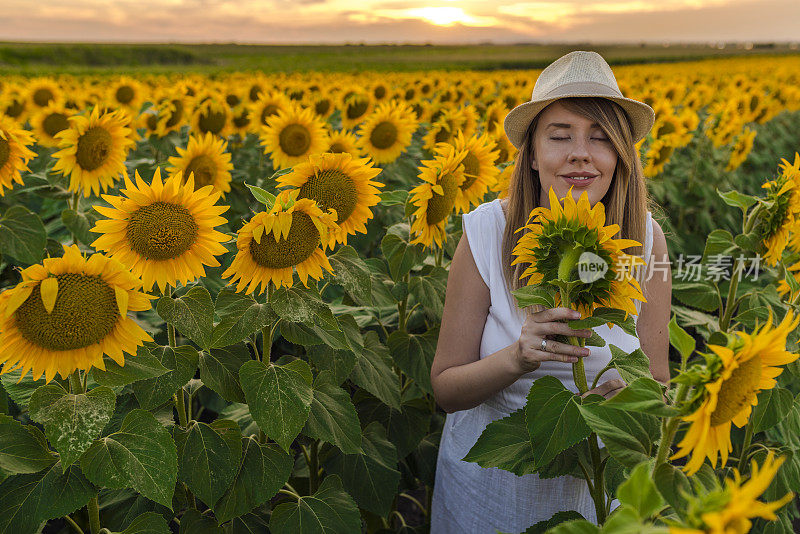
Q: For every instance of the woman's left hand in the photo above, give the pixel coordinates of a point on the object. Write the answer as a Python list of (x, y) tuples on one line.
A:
[(608, 388)]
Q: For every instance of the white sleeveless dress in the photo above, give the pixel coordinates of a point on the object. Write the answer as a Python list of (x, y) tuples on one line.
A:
[(467, 498)]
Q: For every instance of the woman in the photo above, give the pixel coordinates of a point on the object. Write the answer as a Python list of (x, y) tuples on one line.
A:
[(489, 352)]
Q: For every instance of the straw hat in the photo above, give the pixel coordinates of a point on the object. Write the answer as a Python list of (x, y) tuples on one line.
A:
[(577, 74)]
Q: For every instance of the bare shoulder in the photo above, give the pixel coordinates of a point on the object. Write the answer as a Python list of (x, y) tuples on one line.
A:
[(659, 239)]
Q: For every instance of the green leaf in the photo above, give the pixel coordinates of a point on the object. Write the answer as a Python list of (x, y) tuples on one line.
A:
[(302, 368), (773, 406), (370, 477), (630, 366), (352, 274), (580, 526), (405, 428), (79, 224), (148, 523), (399, 254), (263, 196), (182, 364), (414, 353), (640, 493), (208, 457), (27, 500), (642, 395), (559, 517), (553, 419), (194, 522), (340, 363), (141, 455), (139, 366), (298, 304), (263, 471), (700, 295), (680, 339), (750, 242), (20, 391), (505, 444), (192, 314), (279, 400), (23, 448), (595, 341), (72, 422), (789, 278), (629, 437), (219, 370), (373, 371), (429, 290), (22, 235), (333, 417), (673, 484), (717, 242), (533, 295), (737, 199), (606, 315), (394, 198), (240, 315), (330, 511)]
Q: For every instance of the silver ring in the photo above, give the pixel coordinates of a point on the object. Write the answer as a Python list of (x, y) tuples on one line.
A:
[(544, 345)]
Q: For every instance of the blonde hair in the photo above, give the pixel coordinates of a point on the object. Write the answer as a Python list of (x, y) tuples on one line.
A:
[(626, 201)]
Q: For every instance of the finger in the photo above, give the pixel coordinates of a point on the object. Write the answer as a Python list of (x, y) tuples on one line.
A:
[(549, 356), (564, 329), (555, 347), (555, 314), (610, 385)]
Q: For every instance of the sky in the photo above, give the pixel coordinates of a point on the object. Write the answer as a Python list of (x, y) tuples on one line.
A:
[(398, 21)]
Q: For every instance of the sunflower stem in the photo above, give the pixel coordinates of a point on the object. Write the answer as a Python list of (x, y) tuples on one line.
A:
[(266, 343), (439, 254), (748, 438), (598, 495), (75, 382), (669, 428), (730, 303), (313, 469), (180, 405), (565, 266), (94, 515), (73, 524)]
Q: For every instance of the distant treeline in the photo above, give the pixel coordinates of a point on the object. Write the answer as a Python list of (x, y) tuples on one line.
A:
[(98, 55)]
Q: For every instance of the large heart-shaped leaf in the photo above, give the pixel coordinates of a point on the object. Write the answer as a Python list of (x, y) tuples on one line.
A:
[(192, 314), (333, 417), (23, 448), (182, 364), (139, 366), (209, 455), (330, 510)]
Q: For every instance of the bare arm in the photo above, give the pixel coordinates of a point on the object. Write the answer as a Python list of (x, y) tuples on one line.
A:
[(460, 378), (651, 326)]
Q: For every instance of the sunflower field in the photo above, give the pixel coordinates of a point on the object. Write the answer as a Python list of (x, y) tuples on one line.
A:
[(220, 298)]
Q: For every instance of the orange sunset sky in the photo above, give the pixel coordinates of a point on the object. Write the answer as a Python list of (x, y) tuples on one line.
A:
[(340, 21)]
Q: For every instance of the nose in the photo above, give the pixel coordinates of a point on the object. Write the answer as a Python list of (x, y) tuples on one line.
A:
[(580, 151)]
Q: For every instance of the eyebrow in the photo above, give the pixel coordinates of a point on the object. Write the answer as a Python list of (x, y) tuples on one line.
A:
[(564, 125)]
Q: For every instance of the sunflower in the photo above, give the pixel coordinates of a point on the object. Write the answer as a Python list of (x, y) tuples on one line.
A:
[(506, 150), (44, 91), (503, 182), (479, 170), (436, 197), (292, 135), (747, 365), (126, 92), (494, 116), (741, 148), (783, 286), (728, 511), (93, 151), (48, 121), (355, 108), (211, 116), (781, 218), (443, 129), (340, 182), (270, 104), (67, 312), (163, 232), (387, 132), (343, 141), (291, 235), (323, 106), (168, 115), (658, 154), (556, 240), (13, 104), (14, 153), (242, 121), (206, 159)]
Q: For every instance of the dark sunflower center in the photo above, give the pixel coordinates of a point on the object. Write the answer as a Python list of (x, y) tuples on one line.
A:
[(738, 391), (124, 94), (5, 152), (42, 97), (204, 170), (15, 109), (442, 136), (212, 121), (267, 112), (54, 123), (177, 113), (663, 154), (666, 128), (93, 148), (85, 312), (356, 109), (297, 247), (471, 169), (440, 206), (337, 148), (255, 92), (322, 106), (232, 100), (152, 122), (295, 139), (160, 231), (383, 135), (379, 92), (332, 189)]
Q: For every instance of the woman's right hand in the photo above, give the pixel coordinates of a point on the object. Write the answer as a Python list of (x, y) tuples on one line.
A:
[(545, 325)]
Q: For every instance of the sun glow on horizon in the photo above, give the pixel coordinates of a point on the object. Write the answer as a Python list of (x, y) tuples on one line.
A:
[(441, 16)]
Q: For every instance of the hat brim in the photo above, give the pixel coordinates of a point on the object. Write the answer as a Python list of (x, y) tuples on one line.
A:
[(518, 119)]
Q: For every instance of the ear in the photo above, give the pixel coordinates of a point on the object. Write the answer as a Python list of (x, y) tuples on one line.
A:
[(534, 164)]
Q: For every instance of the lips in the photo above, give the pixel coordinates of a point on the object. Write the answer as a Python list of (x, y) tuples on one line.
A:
[(579, 181)]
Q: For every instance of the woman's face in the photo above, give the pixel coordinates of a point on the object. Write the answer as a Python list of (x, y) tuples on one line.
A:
[(565, 143)]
